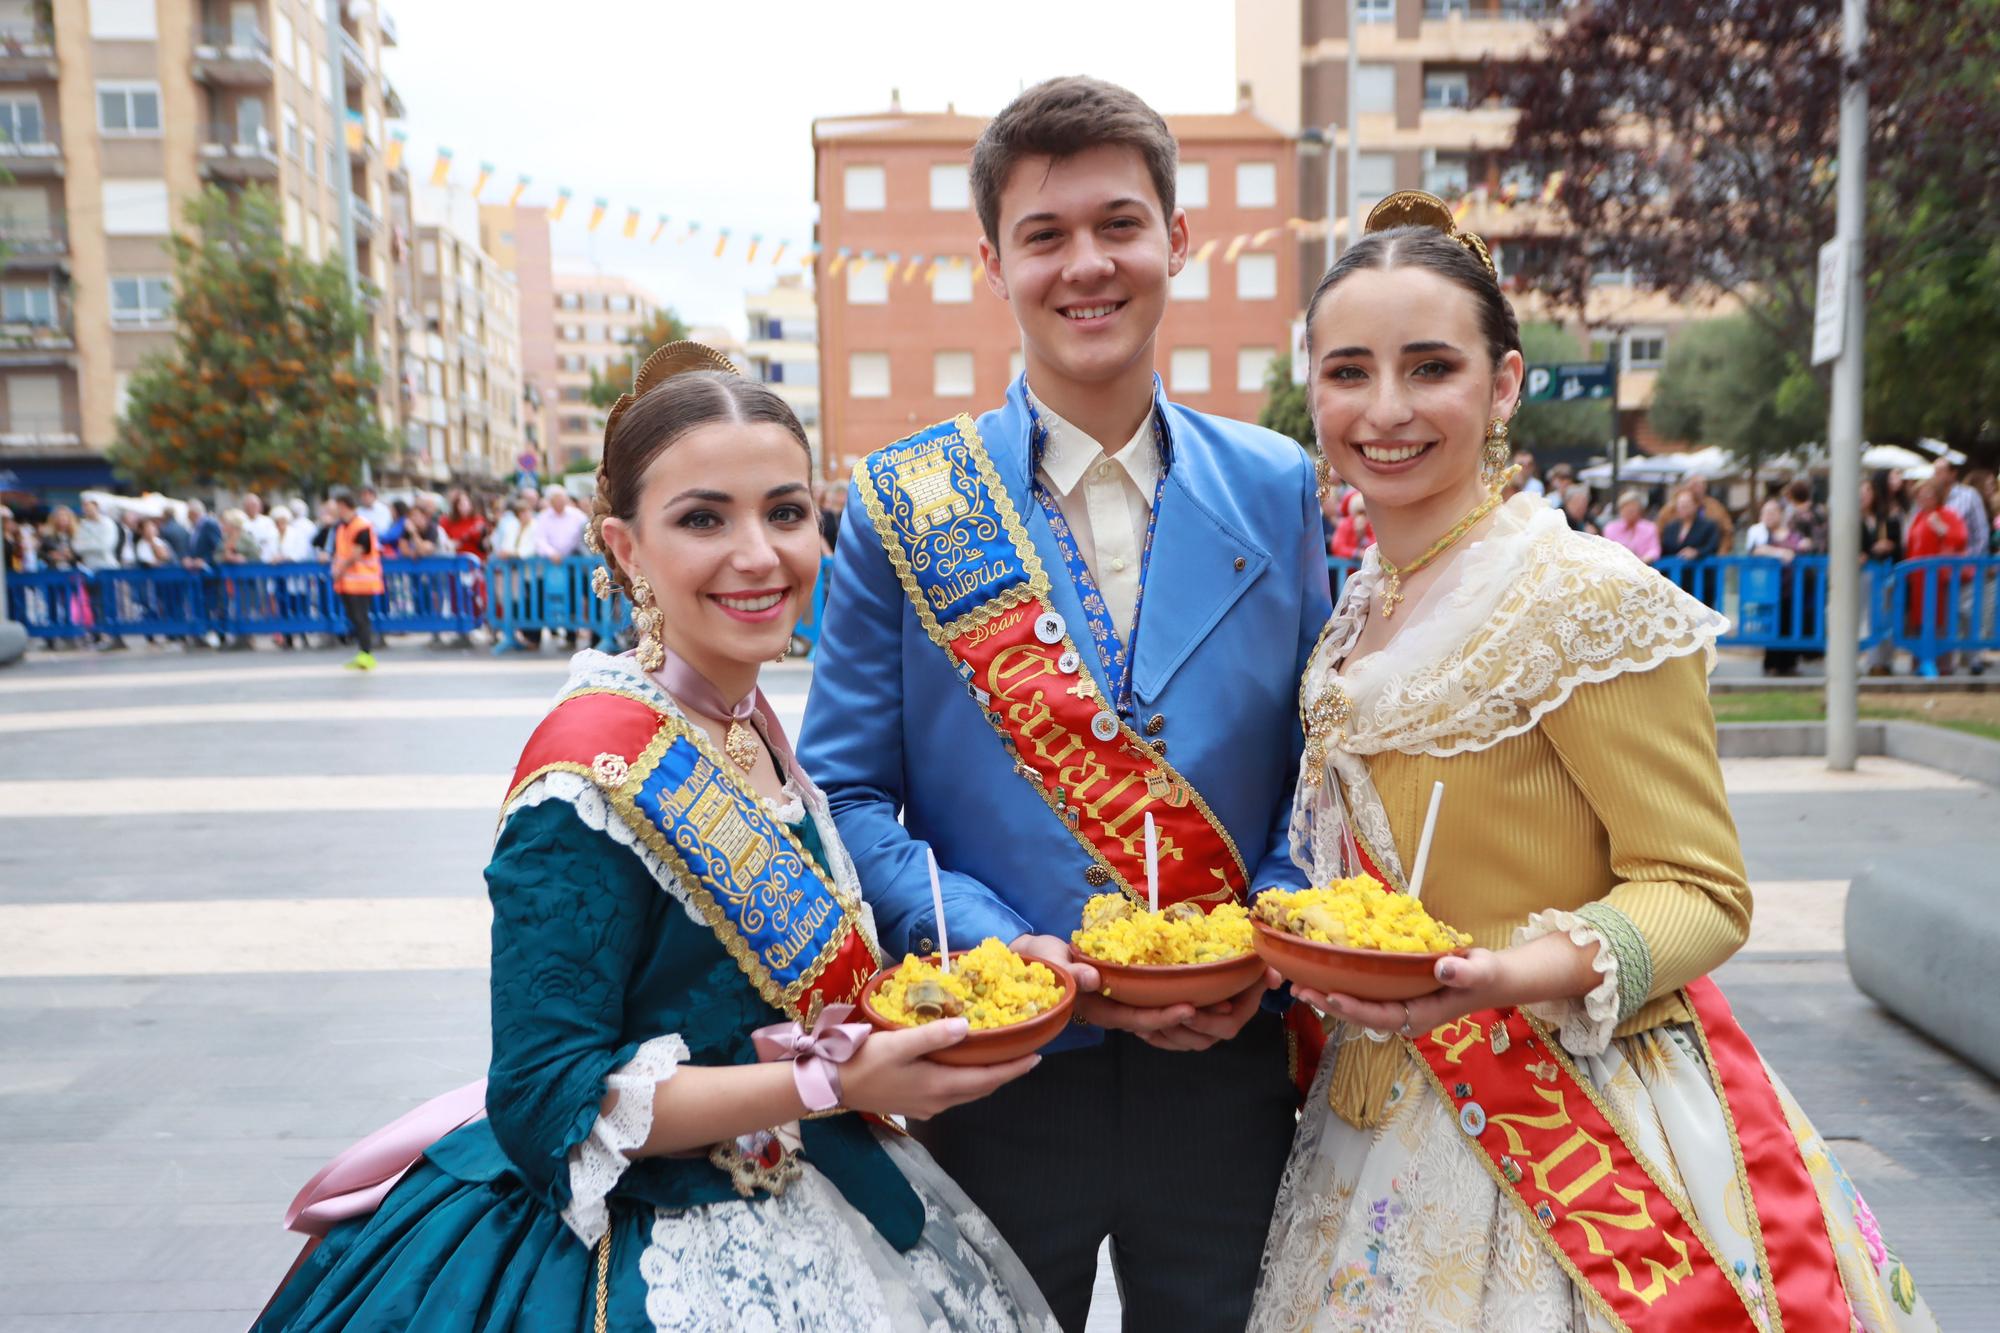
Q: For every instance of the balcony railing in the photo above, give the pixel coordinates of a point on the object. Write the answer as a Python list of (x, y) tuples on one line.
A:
[(1492, 9), (35, 335), (33, 243), (366, 221), (235, 54), (353, 59), (31, 157), (235, 153), (27, 52)]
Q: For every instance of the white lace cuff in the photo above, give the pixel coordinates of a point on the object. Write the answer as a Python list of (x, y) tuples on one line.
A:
[(596, 1163), (1585, 1023)]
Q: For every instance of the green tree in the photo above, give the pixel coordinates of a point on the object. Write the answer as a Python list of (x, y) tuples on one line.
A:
[(1558, 425), (263, 386), (1287, 409), (1736, 382), (664, 327)]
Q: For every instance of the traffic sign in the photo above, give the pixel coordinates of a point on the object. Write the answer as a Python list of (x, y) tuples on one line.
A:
[(1830, 304), (1569, 382)]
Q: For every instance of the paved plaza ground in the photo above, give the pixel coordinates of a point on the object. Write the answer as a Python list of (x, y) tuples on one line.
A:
[(242, 924)]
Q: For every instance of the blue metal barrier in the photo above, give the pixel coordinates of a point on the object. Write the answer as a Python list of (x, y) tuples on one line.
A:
[(168, 603), (1944, 605), (52, 603), (533, 595)]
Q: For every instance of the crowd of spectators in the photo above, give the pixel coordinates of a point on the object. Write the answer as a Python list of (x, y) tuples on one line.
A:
[(418, 525)]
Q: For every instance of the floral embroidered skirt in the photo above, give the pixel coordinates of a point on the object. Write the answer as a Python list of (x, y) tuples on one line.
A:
[(443, 1254), (1402, 1228)]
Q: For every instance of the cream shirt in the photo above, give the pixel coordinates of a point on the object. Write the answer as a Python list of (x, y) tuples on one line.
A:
[(1107, 503)]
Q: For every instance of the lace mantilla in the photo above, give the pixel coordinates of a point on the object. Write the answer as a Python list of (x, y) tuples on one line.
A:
[(1520, 619), (596, 1164)]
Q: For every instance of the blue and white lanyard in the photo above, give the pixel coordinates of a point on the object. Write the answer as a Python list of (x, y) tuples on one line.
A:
[(1113, 652)]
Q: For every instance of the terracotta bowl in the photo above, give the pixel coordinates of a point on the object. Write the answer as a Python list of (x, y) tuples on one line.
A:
[(1157, 986), (986, 1046), (1366, 974)]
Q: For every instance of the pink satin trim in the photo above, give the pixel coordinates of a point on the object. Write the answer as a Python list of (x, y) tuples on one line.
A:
[(817, 1055), (355, 1182), (695, 690)]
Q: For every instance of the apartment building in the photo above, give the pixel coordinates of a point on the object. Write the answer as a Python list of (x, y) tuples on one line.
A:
[(113, 115), (905, 344), (599, 318), (517, 236), (462, 363), (1423, 121), (783, 350)]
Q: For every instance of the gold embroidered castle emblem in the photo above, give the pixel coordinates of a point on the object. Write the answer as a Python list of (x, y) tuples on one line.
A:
[(926, 482)]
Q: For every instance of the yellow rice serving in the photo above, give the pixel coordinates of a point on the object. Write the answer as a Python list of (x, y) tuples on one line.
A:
[(1358, 913), (1117, 930), (993, 987)]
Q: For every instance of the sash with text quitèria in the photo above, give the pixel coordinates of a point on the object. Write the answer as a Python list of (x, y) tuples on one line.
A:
[(970, 570), (1633, 1246), (766, 900)]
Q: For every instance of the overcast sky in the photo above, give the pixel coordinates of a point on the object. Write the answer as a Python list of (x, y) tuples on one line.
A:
[(704, 111)]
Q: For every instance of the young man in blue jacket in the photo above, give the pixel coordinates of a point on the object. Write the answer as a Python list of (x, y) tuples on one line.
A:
[(1089, 606)]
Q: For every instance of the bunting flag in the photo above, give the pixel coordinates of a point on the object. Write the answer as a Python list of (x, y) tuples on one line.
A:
[(1462, 209), (485, 174), (520, 188), (1207, 249), (755, 241), (441, 170), (1297, 224), (1236, 244), (561, 205), (356, 131), (693, 227), (721, 241), (930, 273), (910, 269), (1263, 237), (658, 230), (837, 263), (598, 208), (631, 223), (397, 141), (779, 253), (1549, 189)]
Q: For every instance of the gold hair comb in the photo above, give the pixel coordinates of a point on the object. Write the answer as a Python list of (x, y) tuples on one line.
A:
[(677, 358), (1416, 208)]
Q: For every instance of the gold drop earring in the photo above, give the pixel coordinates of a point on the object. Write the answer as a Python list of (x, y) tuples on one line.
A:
[(648, 620), (1498, 453)]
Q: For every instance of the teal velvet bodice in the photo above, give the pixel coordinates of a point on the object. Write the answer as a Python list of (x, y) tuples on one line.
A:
[(591, 958)]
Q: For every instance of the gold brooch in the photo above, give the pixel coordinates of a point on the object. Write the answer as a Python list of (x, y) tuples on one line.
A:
[(610, 770), (1323, 719)]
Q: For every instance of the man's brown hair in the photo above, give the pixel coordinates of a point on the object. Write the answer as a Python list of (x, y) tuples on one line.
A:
[(1060, 118)]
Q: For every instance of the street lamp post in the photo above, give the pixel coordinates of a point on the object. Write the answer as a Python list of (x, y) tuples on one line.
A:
[(1843, 583)]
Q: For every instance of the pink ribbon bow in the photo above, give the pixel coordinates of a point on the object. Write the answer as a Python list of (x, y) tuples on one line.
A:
[(357, 1180), (817, 1055)]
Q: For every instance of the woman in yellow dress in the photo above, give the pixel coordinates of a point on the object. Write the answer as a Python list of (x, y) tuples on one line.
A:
[(1570, 1132)]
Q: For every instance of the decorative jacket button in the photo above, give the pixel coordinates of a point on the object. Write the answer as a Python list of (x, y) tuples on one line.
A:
[(925, 945), (1240, 563), (1096, 876), (1049, 628), (1155, 724)]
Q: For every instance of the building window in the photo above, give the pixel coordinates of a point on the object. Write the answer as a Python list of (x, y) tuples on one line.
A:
[(427, 258), (1187, 370), (136, 208), (141, 302), (569, 301), (123, 20), (291, 133), (1191, 185), (28, 303), (868, 374), (952, 285), (312, 156), (1256, 185), (575, 393), (128, 108), (1645, 349), (868, 283), (1256, 277), (1374, 178), (1377, 11), (1376, 88), (595, 333), (951, 374), (618, 303), (1603, 275), (1447, 90), (1448, 175), (281, 30), (865, 189), (801, 374), (1437, 9), (34, 405), (575, 425), (1191, 283), (951, 186), (21, 119), (1252, 365)]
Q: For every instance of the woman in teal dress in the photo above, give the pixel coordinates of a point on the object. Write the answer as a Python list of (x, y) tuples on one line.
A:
[(668, 891)]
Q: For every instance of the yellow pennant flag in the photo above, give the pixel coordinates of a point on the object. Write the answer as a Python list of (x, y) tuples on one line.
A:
[(520, 188), (779, 253), (485, 174), (598, 208), (693, 227), (631, 223), (1236, 244), (1263, 237), (910, 270), (1207, 249), (658, 230), (751, 257), (1296, 224), (441, 170), (397, 141), (837, 263), (1462, 209), (930, 273), (721, 241), (1553, 184), (561, 205)]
